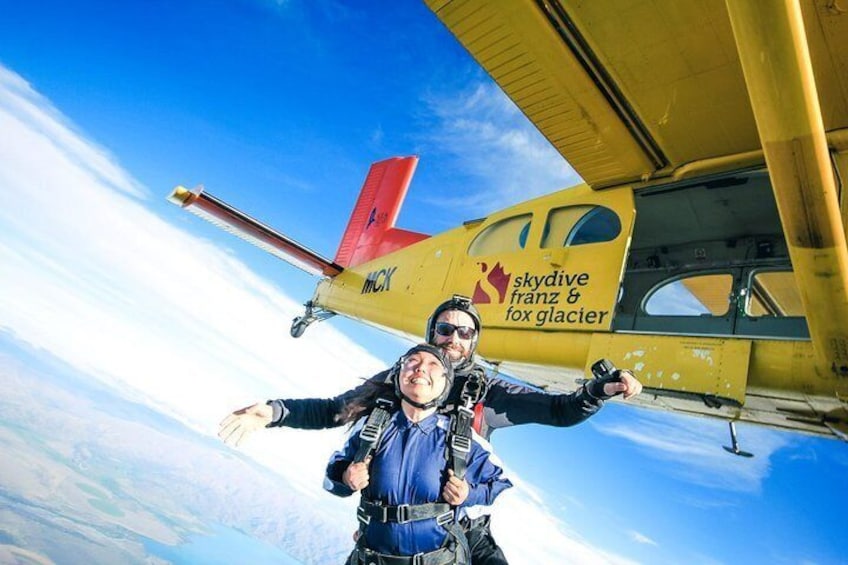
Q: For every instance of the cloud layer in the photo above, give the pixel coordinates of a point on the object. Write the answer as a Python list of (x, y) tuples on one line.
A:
[(94, 276), (486, 135)]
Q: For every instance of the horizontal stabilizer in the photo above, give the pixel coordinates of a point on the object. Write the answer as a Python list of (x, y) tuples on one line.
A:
[(370, 232), (241, 225)]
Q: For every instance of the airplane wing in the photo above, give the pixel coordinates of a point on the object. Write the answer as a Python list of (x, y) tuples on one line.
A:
[(643, 94), (627, 91)]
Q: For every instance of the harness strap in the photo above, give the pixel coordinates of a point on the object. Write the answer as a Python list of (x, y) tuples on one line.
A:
[(459, 442), (404, 513), (463, 421), (373, 429), (441, 556), (461, 548)]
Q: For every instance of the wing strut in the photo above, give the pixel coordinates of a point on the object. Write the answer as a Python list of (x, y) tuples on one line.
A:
[(775, 58)]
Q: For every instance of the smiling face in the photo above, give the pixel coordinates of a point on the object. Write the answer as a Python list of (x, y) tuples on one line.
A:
[(422, 377), (456, 347)]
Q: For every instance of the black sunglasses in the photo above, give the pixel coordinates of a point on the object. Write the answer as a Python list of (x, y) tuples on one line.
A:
[(445, 329)]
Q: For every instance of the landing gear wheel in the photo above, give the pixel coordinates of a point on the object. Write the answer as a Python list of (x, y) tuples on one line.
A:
[(311, 314), (298, 326)]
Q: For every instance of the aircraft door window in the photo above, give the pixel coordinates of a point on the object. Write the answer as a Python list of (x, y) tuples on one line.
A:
[(579, 225), (772, 306), (505, 236), (699, 295), (773, 293)]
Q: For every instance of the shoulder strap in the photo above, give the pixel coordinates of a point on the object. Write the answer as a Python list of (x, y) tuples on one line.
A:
[(459, 440), (462, 421), (372, 431)]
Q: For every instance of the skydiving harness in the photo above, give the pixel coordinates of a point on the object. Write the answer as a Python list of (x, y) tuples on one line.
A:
[(457, 450), (467, 416)]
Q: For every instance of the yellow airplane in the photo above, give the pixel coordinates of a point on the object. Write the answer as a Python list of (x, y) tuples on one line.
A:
[(713, 139)]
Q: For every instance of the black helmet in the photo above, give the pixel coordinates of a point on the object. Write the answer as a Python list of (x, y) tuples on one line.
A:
[(440, 354), (463, 304)]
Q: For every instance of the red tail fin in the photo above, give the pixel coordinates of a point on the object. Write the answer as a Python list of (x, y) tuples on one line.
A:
[(371, 231)]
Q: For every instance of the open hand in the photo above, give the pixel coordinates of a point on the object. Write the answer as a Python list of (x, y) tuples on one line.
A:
[(243, 422)]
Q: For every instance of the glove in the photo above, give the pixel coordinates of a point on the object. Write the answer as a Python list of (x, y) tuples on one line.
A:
[(604, 372)]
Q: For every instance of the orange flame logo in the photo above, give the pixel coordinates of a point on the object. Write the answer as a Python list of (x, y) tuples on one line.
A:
[(497, 279)]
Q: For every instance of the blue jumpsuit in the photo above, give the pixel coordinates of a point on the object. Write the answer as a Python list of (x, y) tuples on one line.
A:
[(409, 467)]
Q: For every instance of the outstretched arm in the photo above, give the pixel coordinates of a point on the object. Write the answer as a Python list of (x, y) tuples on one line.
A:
[(302, 413), (509, 404)]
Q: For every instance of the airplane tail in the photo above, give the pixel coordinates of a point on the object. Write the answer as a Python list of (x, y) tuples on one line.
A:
[(371, 231)]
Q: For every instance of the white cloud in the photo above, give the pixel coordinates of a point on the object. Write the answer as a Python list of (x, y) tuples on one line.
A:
[(489, 138), (96, 278), (641, 538), (529, 532), (690, 447)]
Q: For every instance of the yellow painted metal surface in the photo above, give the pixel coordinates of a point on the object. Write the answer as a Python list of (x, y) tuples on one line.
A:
[(527, 57), (840, 163), (773, 49), (692, 365), (549, 288), (536, 288), (672, 64)]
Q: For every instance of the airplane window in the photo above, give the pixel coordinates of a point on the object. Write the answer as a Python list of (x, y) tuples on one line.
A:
[(773, 293), (600, 224), (699, 295), (505, 236), (578, 225)]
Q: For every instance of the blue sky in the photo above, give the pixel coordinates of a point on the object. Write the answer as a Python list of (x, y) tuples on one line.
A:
[(279, 108)]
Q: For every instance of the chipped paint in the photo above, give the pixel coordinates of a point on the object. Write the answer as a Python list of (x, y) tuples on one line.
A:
[(675, 376), (639, 366), (704, 354)]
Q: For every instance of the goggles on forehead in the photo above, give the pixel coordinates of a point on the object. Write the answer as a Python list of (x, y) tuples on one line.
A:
[(445, 329)]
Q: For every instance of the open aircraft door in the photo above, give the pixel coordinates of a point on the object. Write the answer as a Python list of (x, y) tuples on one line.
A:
[(554, 264)]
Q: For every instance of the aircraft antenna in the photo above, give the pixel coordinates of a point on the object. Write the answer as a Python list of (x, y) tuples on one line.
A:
[(735, 443)]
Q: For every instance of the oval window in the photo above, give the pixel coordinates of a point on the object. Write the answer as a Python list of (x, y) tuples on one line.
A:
[(504, 236), (579, 225)]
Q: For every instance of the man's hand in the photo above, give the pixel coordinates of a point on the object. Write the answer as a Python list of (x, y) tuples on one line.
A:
[(356, 476), (243, 422), (628, 385), (456, 490)]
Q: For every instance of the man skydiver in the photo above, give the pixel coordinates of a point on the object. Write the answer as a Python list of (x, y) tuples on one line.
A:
[(491, 402)]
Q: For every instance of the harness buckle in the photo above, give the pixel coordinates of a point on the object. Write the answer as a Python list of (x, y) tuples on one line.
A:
[(402, 514), (461, 444), (445, 518), (385, 404), (370, 432), (362, 515)]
